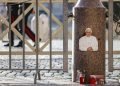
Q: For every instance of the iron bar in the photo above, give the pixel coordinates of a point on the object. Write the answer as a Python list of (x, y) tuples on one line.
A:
[(50, 20), (23, 27), (65, 35), (37, 41), (110, 37), (9, 13)]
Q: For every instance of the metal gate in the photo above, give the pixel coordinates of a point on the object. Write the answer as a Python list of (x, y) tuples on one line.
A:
[(111, 51), (63, 26), (37, 50)]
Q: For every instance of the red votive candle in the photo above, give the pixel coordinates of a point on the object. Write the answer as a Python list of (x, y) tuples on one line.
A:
[(82, 80), (93, 81)]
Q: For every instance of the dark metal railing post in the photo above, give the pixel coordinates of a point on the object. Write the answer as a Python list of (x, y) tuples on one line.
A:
[(37, 43), (65, 35), (110, 37), (50, 20), (9, 13), (23, 27)]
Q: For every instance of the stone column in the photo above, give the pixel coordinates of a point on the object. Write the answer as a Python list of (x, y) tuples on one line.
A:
[(89, 14)]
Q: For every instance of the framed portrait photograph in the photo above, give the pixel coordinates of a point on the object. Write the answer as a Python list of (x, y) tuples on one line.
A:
[(88, 42)]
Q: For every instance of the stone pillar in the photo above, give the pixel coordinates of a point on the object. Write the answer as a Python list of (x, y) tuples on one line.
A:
[(89, 14)]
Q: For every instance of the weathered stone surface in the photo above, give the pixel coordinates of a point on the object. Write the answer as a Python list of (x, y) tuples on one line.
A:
[(89, 14)]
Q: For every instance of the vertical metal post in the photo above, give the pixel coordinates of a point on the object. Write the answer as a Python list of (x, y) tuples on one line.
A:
[(110, 37), (50, 19), (37, 33), (36, 41), (9, 13), (65, 35), (23, 27)]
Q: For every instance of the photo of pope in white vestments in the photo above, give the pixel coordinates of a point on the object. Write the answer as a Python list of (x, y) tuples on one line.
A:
[(88, 42)]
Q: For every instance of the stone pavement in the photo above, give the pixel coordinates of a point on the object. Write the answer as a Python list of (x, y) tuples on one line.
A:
[(45, 74), (18, 76), (27, 76)]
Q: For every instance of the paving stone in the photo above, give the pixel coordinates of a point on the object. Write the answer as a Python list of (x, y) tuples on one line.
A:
[(116, 73), (27, 71), (117, 63), (57, 74), (44, 78), (11, 74), (55, 63), (112, 81), (61, 72), (58, 66), (42, 67), (48, 74), (33, 71), (116, 78), (53, 71), (107, 78), (67, 74), (67, 77), (44, 71), (1, 71), (18, 71), (108, 74), (70, 71), (20, 77), (58, 77), (20, 74), (4, 73), (30, 67), (29, 74)]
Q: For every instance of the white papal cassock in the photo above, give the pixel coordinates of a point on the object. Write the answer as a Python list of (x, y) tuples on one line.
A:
[(3, 9), (43, 26), (86, 42)]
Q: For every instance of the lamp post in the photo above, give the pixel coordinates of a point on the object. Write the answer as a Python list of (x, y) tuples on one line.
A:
[(89, 14)]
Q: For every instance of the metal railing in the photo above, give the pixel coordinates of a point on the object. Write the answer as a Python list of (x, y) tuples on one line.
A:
[(62, 26), (36, 50)]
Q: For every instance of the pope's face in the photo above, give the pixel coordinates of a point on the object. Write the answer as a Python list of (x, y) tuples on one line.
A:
[(88, 33)]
